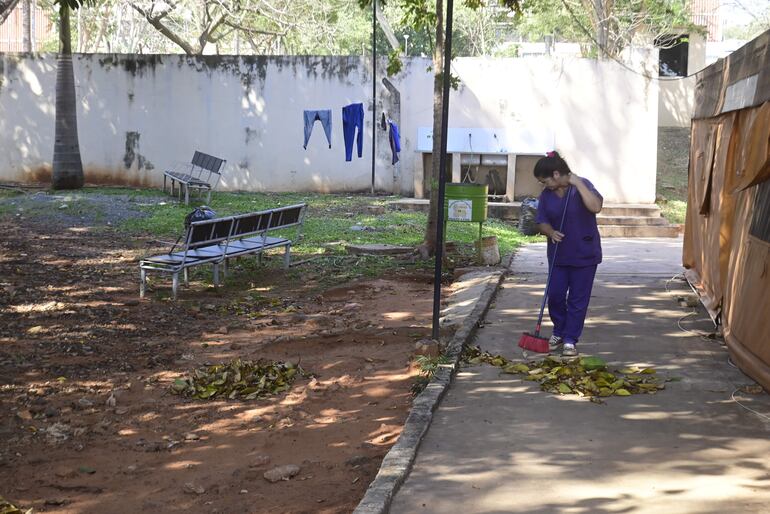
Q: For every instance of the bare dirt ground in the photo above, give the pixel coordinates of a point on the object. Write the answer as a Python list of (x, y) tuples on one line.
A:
[(87, 419)]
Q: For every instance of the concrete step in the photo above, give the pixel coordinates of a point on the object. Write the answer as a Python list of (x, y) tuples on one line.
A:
[(631, 209), (615, 220), (629, 220), (510, 210), (639, 230)]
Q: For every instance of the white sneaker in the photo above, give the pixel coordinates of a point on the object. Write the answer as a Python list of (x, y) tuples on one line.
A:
[(555, 343), (569, 350)]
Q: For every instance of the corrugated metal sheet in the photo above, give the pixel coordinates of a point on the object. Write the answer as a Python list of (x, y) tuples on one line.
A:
[(760, 222), (740, 67), (708, 90)]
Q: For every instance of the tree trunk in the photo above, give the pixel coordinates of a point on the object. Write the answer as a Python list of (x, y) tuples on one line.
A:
[(26, 26), (602, 29), (428, 247), (67, 166)]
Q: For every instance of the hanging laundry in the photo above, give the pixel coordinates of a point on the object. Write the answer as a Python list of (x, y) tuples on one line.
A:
[(322, 115), (352, 118), (395, 140), (383, 122)]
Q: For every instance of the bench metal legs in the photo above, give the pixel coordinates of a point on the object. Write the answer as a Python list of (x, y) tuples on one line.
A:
[(216, 274), (186, 278), (287, 257), (142, 282), (174, 282)]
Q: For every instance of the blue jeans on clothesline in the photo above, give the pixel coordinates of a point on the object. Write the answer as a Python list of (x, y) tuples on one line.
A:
[(352, 118)]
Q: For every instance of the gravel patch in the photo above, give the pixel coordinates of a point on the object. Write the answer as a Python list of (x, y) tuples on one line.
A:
[(77, 209)]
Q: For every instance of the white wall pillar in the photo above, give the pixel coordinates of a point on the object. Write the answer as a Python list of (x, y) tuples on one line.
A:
[(457, 175), (419, 175), (510, 185)]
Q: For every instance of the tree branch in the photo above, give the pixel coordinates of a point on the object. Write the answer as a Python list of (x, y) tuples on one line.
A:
[(156, 22), (6, 7), (248, 30)]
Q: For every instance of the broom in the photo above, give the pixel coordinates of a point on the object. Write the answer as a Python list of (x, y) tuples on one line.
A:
[(533, 342)]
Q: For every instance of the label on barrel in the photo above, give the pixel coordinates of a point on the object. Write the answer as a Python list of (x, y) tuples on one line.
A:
[(460, 210)]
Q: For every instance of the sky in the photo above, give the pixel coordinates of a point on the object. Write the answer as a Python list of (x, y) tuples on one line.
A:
[(739, 12)]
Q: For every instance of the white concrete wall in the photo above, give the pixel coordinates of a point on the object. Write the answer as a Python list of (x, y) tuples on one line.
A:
[(248, 110), (604, 117), (677, 96), (245, 110)]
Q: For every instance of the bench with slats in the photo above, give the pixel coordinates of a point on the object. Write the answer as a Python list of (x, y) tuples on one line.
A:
[(216, 240), (201, 174)]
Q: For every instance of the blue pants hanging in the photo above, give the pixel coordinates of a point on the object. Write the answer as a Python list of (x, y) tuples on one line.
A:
[(395, 140), (322, 115), (568, 299), (352, 118)]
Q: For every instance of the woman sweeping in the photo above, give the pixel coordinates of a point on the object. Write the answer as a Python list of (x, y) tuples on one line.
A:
[(576, 245)]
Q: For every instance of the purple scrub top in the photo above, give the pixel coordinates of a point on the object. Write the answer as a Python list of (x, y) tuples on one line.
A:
[(581, 245)]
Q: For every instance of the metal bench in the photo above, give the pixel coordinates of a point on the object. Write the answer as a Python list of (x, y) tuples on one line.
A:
[(197, 175), (216, 240)]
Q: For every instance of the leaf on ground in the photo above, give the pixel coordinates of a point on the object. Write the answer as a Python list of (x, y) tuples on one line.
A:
[(516, 368), (586, 377), (238, 379), (7, 507)]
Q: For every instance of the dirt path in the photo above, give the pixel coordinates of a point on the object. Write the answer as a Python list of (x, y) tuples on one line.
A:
[(87, 421)]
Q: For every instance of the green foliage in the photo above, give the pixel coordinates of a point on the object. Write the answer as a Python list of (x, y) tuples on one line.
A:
[(394, 63), (428, 366), (626, 21), (510, 50), (675, 211), (751, 30)]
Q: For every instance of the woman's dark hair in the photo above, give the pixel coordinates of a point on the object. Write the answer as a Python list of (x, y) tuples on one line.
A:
[(545, 167)]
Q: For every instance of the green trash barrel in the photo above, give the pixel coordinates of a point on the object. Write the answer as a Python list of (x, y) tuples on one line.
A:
[(465, 202)]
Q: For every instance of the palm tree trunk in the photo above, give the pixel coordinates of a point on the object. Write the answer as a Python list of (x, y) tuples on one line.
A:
[(26, 26), (67, 165)]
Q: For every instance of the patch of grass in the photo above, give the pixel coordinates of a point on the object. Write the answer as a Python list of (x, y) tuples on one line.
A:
[(671, 192), (428, 367), (673, 210), (341, 219), (332, 221)]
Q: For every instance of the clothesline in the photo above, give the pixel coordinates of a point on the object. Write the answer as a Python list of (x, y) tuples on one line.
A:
[(352, 129)]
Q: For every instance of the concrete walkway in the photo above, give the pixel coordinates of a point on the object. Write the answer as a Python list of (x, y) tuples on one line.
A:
[(498, 444)]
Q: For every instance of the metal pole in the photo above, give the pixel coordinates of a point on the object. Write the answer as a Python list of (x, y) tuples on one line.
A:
[(374, 84), (442, 171)]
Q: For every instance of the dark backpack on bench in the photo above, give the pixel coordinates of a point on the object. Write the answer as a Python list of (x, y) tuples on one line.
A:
[(202, 213)]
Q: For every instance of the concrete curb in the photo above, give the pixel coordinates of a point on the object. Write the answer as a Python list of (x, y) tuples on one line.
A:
[(398, 461)]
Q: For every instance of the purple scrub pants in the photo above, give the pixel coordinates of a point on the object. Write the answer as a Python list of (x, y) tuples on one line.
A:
[(568, 298)]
